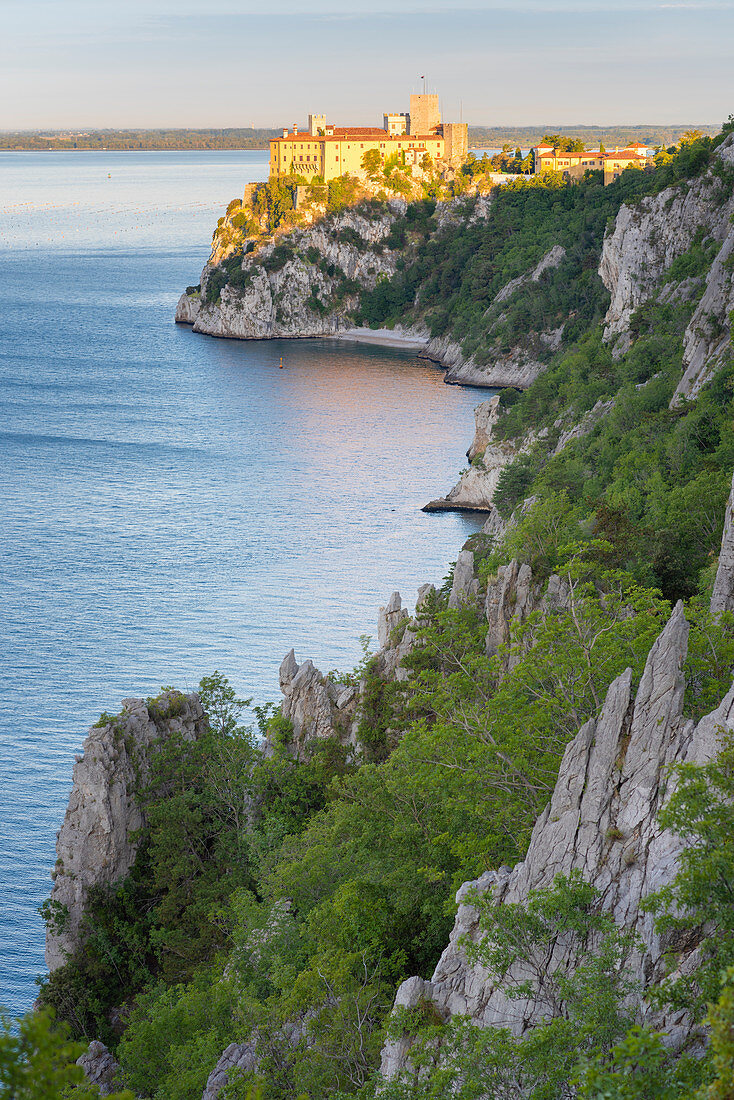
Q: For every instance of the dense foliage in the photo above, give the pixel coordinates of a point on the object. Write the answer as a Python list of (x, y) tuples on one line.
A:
[(526, 136), (38, 1061)]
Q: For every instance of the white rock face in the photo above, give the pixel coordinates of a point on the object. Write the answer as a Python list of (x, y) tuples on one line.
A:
[(275, 303), (465, 586), (241, 1056), (388, 618), (722, 596), (312, 703), (485, 418), (187, 309), (94, 846), (601, 821), (475, 488), (708, 335), (648, 236), (516, 369)]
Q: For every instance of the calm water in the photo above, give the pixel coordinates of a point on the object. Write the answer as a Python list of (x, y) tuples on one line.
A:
[(171, 503)]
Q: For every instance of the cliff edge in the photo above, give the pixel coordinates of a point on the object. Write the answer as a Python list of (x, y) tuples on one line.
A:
[(96, 844)]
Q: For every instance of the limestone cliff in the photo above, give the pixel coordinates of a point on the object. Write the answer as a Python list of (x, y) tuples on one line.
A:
[(300, 284), (306, 282), (602, 820), (635, 266), (95, 845), (476, 486), (475, 489), (648, 237)]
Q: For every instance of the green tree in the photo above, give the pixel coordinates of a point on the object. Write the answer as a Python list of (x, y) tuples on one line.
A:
[(38, 1061), (701, 811), (372, 162), (582, 999), (639, 1065)]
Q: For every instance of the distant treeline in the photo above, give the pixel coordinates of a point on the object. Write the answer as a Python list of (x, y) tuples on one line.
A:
[(233, 138), (139, 139), (494, 137)]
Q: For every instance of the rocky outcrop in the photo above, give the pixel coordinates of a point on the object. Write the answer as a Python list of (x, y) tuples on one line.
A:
[(475, 488), (585, 425), (722, 596), (315, 706), (516, 369), (650, 235), (95, 845), (246, 1057), (465, 586), (602, 821), (318, 707), (707, 340), (238, 1056), (288, 286), (101, 1068)]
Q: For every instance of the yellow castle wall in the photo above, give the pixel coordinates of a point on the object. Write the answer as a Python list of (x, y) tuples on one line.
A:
[(306, 156)]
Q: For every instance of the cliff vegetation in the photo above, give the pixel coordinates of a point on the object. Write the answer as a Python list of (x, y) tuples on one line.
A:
[(550, 735)]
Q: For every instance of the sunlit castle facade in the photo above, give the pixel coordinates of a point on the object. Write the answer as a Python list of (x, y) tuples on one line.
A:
[(574, 165), (328, 151)]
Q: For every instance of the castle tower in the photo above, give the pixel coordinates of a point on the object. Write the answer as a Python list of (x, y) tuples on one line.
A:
[(456, 142), (424, 114), (316, 123)]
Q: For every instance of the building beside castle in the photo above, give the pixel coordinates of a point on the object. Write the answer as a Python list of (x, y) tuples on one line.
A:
[(574, 165), (329, 151)]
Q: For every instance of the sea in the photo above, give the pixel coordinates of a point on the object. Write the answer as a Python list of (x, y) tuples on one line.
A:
[(172, 504)]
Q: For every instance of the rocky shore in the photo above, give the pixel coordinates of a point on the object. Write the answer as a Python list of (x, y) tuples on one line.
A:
[(307, 282)]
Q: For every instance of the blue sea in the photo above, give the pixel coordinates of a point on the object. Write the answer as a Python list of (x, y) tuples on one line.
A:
[(173, 504)]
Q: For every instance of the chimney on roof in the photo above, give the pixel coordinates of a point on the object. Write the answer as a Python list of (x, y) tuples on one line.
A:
[(295, 129), (285, 131)]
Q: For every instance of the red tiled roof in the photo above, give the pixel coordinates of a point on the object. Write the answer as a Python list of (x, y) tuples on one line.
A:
[(594, 154), (358, 133)]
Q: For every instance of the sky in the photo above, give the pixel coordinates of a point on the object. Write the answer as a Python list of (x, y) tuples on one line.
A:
[(147, 63)]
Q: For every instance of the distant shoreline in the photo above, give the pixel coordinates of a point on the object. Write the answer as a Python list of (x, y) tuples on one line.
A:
[(163, 149), (242, 140)]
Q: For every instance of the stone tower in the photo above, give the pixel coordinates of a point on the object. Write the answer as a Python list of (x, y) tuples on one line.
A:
[(456, 142), (316, 123), (424, 114)]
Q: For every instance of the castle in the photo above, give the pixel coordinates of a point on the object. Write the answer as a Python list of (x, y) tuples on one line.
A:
[(573, 165), (328, 151)]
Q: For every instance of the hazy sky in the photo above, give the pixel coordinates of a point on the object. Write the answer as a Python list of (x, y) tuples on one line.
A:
[(122, 63)]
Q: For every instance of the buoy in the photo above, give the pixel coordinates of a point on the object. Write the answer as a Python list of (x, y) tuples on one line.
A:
[(281, 362)]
